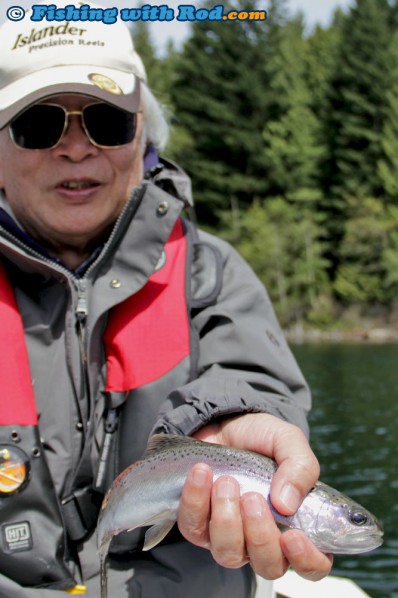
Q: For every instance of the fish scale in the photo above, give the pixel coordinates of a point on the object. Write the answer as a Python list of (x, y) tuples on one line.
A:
[(148, 492)]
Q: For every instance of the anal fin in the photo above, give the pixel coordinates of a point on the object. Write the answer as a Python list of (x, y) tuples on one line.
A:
[(157, 533)]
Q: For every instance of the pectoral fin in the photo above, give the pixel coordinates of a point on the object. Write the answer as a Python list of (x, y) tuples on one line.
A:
[(157, 532)]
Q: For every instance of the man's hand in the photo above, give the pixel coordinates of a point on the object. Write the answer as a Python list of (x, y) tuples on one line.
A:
[(239, 530)]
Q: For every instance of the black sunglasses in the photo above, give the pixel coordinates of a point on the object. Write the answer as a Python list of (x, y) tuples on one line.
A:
[(42, 126)]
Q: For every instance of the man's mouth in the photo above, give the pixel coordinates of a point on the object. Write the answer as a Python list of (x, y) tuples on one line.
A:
[(78, 185)]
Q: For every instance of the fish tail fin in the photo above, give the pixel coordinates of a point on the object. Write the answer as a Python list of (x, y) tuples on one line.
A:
[(103, 553)]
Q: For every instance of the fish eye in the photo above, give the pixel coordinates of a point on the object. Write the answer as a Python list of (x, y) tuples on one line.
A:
[(358, 517)]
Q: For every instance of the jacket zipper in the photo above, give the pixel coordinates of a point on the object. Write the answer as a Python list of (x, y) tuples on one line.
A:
[(79, 284), (81, 313)]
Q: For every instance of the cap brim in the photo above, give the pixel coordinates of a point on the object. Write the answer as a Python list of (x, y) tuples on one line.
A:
[(76, 79)]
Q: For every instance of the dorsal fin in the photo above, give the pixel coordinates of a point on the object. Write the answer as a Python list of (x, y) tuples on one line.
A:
[(162, 442)]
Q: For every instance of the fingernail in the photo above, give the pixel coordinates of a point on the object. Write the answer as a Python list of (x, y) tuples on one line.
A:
[(199, 476), (296, 544), (290, 497), (226, 489), (253, 505)]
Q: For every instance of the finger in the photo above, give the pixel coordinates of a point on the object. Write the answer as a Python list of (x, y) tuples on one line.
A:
[(194, 509), (298, 470), (262, 537), (226, 528), (304, 558), (286, 443)]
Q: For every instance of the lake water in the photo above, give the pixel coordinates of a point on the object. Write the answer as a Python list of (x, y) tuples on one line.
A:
[(354, 429)]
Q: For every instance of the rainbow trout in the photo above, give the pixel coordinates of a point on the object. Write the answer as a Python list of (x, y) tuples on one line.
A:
[(148, 492)]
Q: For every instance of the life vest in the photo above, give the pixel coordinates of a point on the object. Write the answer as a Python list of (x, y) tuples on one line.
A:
[(141, 345), (148, 334)]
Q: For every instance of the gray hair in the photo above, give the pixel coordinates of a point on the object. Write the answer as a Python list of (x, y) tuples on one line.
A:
[(155, 127)]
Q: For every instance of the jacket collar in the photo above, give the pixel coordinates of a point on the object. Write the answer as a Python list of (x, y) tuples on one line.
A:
[(160, 173)]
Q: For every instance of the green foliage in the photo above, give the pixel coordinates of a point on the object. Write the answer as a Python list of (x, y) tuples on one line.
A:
[(369, 251), (356, 112), (357, 101), (286, 253), (293, 147), (388, 162), (292, 144), (322, 52), (160, 71), (218, 96), (145, 48)]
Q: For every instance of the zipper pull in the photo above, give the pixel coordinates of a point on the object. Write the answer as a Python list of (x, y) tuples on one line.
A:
[(81, 310)]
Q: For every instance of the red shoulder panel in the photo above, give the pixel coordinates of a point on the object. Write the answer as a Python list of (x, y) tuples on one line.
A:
[(148, 334), (17, 405)]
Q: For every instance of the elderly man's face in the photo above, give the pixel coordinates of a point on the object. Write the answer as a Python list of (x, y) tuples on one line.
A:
[(68, 197)]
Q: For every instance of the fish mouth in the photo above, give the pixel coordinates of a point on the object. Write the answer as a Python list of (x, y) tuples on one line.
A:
[(356, 543)]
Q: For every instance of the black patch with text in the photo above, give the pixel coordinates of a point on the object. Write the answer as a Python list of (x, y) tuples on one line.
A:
[(17, 537)]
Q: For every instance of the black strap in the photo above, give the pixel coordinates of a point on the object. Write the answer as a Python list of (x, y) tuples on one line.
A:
[(80, 511)]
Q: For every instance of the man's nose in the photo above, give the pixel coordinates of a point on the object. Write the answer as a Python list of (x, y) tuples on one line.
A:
[(75, 143)]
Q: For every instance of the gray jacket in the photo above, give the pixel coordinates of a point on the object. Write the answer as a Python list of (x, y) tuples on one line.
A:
[(239, 362)]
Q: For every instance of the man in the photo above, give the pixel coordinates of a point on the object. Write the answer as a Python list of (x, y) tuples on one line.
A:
[(120, 319)]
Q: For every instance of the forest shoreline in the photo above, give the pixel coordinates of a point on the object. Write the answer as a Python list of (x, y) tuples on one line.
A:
[(299, 334)]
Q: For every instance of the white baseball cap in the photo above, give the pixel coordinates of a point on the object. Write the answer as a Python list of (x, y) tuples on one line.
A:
[(44, 58)]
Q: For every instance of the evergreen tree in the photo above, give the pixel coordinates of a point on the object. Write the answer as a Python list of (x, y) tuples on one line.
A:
[(219, 99), (278, 15), (277, 21), (393, 19), (388, 163), (160, 70), (356, 114), (357, 106), (322, 49), (145, 48), (292, 134)]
